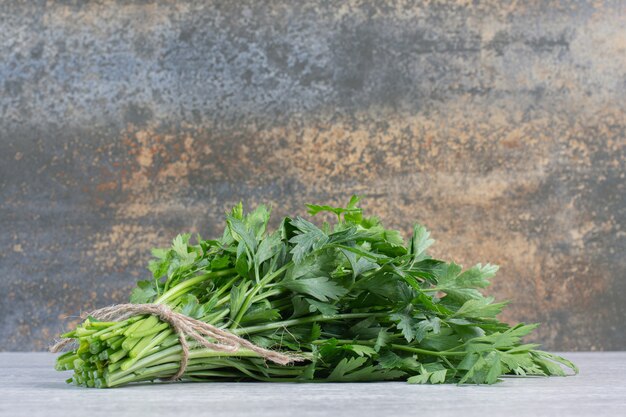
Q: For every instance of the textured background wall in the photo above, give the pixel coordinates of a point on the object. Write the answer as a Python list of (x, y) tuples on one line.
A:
[(500, 125)]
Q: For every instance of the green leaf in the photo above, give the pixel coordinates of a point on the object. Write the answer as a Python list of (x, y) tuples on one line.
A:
[(352, 370), (179, 245), (551, 357), (220, 262), (385, 241), (495, 368), (440, 341), (419, 379), (316, 209), (433, 373), (159, 267), (237, 211), (420, 241), (462, 286), (267, 248), (360, 350), (257, 220), (482, 368), (326, 309), (438, 377), (390, 360), (354, 200), (143, 293), (468, 361), (242, 264), (382, 340), (321, 288), (432, 324), (476, 372), (367, 328), (316, 331), (359, 265), (351, 212), (260, 314), (237, 297), (344, 367), (384, 285), (501, 340), (480, 308), (318, 265), (190, 306), (310, 238), (309, 371), (181, 248), (241, 233), (300, 306), (477, 277), (160, 253), (405, 323)]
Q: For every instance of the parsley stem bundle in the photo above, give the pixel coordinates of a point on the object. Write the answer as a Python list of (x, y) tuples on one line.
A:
[(354, 298)]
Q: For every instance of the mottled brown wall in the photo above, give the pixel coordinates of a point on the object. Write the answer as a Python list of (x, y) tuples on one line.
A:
[(498, 124)]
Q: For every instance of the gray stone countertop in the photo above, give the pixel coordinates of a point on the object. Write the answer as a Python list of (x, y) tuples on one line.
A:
[(29, 386)]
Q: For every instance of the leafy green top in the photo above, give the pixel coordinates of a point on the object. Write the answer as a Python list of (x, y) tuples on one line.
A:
[(362, 302)]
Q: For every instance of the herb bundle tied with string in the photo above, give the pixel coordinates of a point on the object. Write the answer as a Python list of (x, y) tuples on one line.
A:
[(344, 302)]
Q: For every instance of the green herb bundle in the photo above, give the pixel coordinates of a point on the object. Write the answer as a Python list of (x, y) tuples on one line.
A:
[(354, 298)]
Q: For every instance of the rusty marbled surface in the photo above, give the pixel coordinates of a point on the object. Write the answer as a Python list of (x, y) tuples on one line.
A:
[(499, 124)]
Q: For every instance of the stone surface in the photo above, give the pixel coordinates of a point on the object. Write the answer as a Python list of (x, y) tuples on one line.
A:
[(30, 387), (499, 124)]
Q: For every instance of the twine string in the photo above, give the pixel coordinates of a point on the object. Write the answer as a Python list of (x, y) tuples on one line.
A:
[(185, 326)]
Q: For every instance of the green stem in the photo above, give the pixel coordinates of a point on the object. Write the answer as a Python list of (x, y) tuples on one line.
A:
[(179, 288), (396, 346), (267, 295), (426, 352), (248, 301), (310, 319), (171, 358)]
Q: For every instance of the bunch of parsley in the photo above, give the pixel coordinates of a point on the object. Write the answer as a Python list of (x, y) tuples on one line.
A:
[(355, 298)]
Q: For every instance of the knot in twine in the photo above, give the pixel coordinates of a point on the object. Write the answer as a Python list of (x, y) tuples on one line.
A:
[(185, 326)]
